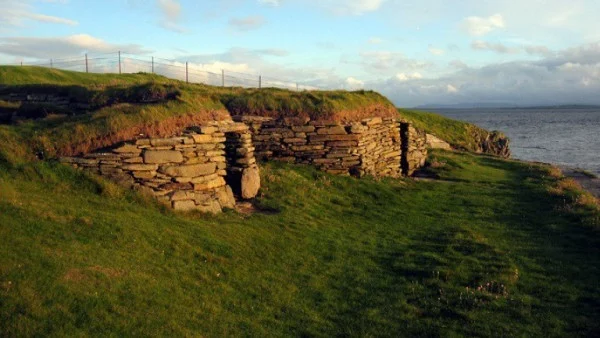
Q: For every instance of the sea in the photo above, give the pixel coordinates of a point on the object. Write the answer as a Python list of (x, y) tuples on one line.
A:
[(568, 137)]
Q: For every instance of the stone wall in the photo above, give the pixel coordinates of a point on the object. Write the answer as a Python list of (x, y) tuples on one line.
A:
[(207, 166), (414, 148), (193, 171), (370, 147)]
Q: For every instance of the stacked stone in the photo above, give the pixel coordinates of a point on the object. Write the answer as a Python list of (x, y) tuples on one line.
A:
[(242, 168), (380, 147), (187, 172), (414, 148), (371, 146)]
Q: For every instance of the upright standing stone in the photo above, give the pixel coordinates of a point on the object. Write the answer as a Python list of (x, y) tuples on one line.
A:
[(250, 182)]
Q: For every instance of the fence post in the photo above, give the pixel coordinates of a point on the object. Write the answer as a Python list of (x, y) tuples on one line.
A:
[(186, 73), (223, 77), (21, 63), (119, 62), (86, 64), (153, 65), (51, 65), (259, 82), (297, 88)]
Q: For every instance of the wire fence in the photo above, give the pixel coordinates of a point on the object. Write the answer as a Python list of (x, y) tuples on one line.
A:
[(126, 63)]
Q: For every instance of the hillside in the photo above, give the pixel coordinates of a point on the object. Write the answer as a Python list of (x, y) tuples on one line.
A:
[(118, 107), (325, 255), (491, 247), (460, 135)]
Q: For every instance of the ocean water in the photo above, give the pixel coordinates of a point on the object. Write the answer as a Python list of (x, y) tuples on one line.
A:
[(561, 136)]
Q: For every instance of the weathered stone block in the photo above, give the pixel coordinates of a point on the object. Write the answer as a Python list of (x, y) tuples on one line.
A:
[(177, 186), (204, 179), (213, 153), (212, 207), (143, 167), (208, 129), (127, 148), (325, 160), (349, 137), (162, 156), (144, 174), (191, 170), (372, 121), (295, 140), (250, 182), (182, 195), (163, 142), (244, 151), (335, 130), (202, 138), (218, 182), (246, 161), (184, 205), (225, 197), (342, 144)]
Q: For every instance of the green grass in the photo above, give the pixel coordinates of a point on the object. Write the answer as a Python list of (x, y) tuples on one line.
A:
[(336, 105), (333, 256), (460, 135)]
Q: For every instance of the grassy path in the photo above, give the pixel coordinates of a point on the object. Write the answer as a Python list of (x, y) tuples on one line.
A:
[(489, 251)]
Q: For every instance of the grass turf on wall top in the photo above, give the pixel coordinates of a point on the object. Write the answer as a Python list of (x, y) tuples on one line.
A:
[(341, 106)]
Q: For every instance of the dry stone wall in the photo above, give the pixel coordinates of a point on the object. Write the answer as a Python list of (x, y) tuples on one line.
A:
[(207, 167), (192, 171), (370, 147), (414, 148)]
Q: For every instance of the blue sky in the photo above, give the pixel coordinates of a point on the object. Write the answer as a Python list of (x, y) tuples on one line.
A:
[(415, 52)]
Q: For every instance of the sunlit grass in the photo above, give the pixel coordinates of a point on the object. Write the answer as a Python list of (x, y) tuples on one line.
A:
[(329, 256)]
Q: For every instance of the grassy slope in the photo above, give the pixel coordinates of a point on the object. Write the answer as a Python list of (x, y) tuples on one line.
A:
[(195, 103), (461, 135), (340, 257)]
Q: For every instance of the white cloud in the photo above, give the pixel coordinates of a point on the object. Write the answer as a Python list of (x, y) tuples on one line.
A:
[(170, 11), (50, 19), (451, 89), (61, 47), (247, 23), (274, 3), (457, 64), (478, 26), (538, 50), (349, 7), (494, 47), (384, 62), (14, 13), (375, 40), (570, 76), (406, 77), (436, 51), (353, 83)]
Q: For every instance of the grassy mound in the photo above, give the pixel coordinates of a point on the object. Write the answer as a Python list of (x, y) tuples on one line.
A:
[(334, 106), (121, 107), (461, 135), (493, 249)]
